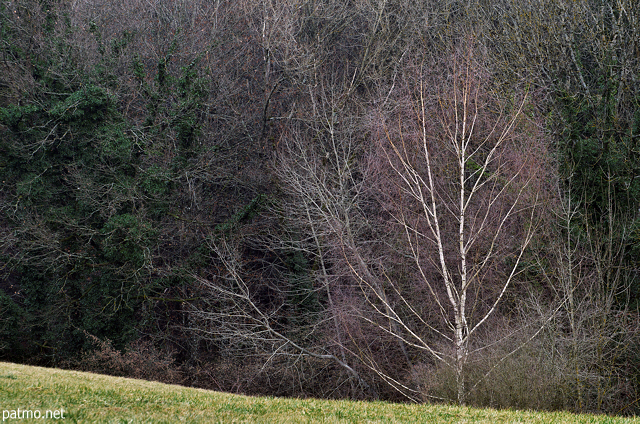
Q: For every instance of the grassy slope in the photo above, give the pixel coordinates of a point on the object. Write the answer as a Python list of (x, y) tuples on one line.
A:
[(89, 397)]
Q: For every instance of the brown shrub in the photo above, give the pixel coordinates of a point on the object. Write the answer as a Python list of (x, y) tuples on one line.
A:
[(140, 360)]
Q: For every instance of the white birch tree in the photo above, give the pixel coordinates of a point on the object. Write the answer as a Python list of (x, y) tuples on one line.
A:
[(466, 174)]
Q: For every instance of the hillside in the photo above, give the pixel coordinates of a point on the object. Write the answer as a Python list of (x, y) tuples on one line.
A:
[(86, 397)]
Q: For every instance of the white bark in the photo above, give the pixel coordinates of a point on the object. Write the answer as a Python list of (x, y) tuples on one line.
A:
[(489, 198)]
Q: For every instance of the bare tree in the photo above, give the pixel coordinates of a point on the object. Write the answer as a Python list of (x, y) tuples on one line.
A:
[(235, 312), (466, 175), (594, 329)]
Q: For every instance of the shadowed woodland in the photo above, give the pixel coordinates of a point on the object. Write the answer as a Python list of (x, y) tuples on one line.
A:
[(426, 201)]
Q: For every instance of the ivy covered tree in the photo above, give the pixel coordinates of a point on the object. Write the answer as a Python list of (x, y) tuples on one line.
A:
[(87, 189)]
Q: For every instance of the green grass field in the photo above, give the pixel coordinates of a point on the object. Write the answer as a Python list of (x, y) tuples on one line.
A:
[(89, 398)]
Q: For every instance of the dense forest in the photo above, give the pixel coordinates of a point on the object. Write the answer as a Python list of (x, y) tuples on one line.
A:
[(429, 201)]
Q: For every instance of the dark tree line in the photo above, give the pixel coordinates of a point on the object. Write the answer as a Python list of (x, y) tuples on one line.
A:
[(423, 200)]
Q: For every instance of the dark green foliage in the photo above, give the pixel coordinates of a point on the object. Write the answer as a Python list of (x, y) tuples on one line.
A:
[(601, 149), (84, 198), (247, 213), (65, 163), (13, 318), (85, 107), (304, 301), (126, 240), (599, 154)]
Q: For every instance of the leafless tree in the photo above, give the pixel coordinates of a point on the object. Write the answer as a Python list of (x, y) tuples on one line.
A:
[(466, 174), (594, 328), (459, 163), (235, 312), (561, 45)]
